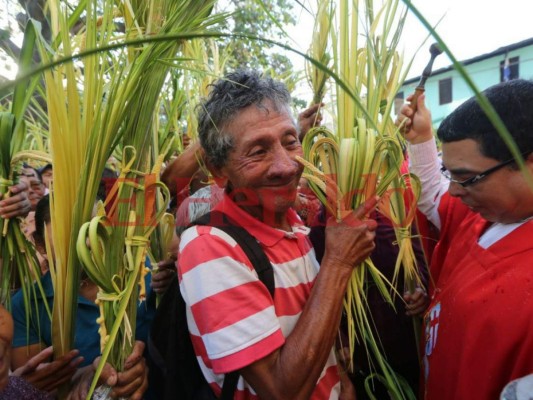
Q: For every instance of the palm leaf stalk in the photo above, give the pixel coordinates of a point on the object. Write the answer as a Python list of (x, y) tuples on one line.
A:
[(164, 144), (405, 189), (99, 116), (161, 237), (74, 120), (366, 153), (19, 265), (318, 50), (121, 288), (201, 60), (174, 107), (400, 208), (336, 192), (399, 204), (133, 198), (203, 63), (155, 69)]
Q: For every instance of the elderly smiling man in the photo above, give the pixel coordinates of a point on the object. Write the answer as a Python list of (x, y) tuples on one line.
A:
[(478, 326), (282, 347)]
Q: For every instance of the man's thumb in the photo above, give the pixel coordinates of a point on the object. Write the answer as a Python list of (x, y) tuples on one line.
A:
[(421, 102)]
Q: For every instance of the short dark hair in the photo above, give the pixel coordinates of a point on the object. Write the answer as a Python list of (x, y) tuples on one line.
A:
[(227, 97), (109, 178), (45, 168), (513, 101)]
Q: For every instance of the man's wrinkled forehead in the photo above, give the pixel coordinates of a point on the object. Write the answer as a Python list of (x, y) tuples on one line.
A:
[(268, 107)]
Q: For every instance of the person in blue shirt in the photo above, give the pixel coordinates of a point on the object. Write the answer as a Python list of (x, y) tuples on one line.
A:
[(78, 365)]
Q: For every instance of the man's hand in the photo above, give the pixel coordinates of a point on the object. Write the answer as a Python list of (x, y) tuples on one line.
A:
[(416, 126), (308, 119), (350, 241), (416, 303), (80, 383), (17, 204), (347, 387), (161, 279), (131, 383), (177, 175), (48, 376)]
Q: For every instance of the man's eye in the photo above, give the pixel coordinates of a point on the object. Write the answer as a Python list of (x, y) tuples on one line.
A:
[(292, 142), (257, 152), (461, 177)]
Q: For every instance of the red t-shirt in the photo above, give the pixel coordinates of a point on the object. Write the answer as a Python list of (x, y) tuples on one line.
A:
[(231, 316), (478, 328)]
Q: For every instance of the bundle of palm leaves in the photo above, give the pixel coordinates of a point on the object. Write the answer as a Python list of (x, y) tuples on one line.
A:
[(19, 266), (364, 157), (108, 98)]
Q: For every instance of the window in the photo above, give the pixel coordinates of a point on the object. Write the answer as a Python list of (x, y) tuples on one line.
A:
[(512, 72), (445, 91), (398, 102)]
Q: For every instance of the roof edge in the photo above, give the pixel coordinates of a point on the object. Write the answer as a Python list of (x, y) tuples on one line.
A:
[(497, 52)]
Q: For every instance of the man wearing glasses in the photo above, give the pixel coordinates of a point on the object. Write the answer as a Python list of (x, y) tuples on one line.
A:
[(478, 326)]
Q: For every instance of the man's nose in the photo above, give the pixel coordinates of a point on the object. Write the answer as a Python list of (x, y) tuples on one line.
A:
[(456, 190), (283, 163)]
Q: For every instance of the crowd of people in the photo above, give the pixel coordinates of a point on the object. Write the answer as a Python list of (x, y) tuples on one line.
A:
[(474, 300)]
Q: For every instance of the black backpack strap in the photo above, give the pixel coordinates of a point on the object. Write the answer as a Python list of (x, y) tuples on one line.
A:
[(257, 258), (230, 384), (173, 367)]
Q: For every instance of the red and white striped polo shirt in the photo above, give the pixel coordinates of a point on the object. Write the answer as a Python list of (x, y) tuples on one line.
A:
[(232, 318)]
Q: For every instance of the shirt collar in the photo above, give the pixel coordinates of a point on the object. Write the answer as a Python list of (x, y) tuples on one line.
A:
[(264, 233)]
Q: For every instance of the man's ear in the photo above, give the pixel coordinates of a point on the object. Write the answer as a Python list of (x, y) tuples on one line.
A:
[(217, 173)]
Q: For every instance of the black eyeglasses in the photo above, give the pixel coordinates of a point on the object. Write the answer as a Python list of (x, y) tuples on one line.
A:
[(470, 181)]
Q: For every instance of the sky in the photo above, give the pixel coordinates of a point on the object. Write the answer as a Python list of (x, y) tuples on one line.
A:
[(468, 27)]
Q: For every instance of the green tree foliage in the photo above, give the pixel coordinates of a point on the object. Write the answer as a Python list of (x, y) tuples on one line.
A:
[(264, 18)]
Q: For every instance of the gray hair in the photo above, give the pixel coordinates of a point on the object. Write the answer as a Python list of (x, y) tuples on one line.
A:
[(227, 98)]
